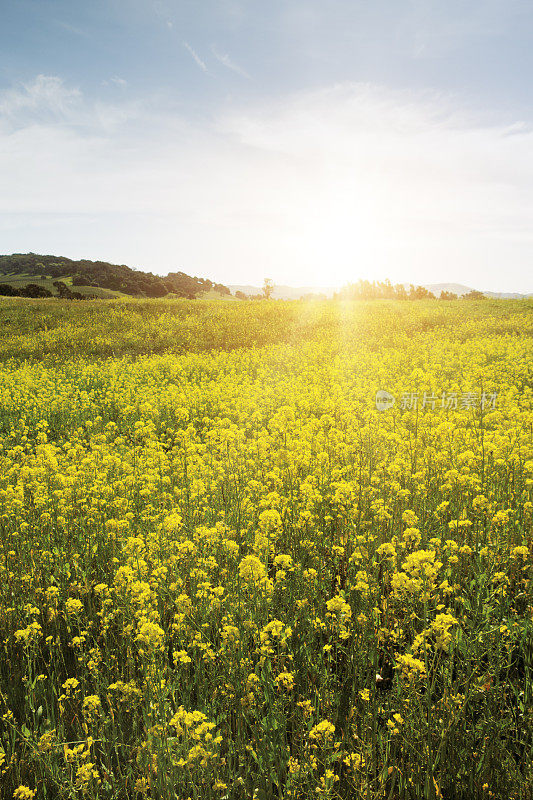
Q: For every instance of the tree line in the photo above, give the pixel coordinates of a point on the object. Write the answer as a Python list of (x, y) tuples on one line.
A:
[(104, 275), (384, 290), (35, 290)]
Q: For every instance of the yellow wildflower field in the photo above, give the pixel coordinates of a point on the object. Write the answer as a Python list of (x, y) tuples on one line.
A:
[(225, 573)]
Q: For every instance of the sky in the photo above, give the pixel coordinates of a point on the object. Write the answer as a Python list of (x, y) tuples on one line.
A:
[(313, 143)]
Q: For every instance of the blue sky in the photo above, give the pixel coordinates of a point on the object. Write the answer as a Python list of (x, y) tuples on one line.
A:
[(312, 142)]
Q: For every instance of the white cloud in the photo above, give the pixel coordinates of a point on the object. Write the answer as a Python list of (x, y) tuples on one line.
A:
[(227, 62), (318, 187), (196, 57)]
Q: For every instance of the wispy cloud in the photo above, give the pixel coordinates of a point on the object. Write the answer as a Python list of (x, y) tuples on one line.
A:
[(196, 57), (116, 81), (227, 62), (46, 97), (49, 105), (432, 30), (71, 28)]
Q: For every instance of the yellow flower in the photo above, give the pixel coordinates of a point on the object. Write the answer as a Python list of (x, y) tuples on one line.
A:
[(441, 628), (91, 705), (252, 569), (181, 657), (411, 668), (23, 793), (386, 550), (46, 741), (70, 685), (73, 606), (29, 634), (322, 733), (150, 635), (338, 606), (85, 775), (285, 681)]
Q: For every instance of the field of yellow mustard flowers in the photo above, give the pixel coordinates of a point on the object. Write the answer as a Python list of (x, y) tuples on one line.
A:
[(225, 574)]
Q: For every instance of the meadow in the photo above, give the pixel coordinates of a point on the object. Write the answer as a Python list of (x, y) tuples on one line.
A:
[(225, 574)]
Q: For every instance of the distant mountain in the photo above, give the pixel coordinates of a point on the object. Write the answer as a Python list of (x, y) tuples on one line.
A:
[(508, 295), (281, 292), (457, 288), (460, 290), (96, 278)]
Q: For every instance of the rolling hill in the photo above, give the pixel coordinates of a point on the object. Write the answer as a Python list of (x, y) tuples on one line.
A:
[(95, 279)]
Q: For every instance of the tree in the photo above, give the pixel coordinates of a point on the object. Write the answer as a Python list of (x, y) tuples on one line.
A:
[(444, 295), (400, 291), (34, 290), (240, 295), (65, 293), (268, 288), (6, 290), (420, 293), (473, 294)]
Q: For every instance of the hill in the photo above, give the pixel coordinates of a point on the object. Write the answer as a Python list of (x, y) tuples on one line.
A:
[(94, 279), (460, 290)]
